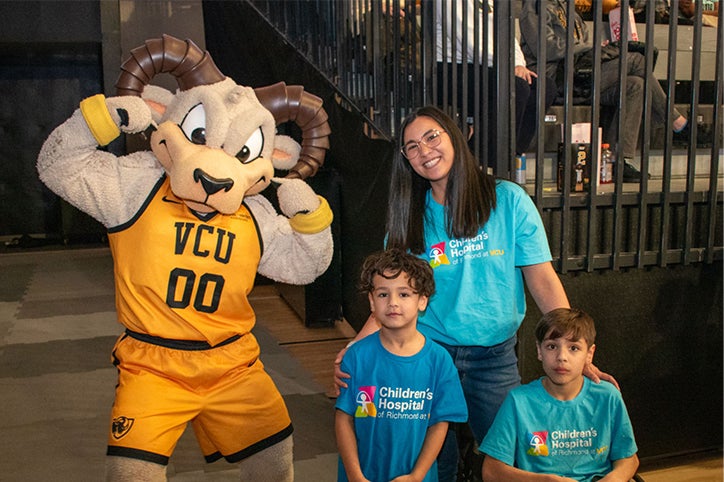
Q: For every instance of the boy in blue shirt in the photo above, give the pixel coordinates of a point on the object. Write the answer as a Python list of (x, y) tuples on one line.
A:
[(392, 418), (562, 427)]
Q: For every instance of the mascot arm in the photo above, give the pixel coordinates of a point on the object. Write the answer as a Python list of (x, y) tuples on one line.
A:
[(292, 256), (109, 188)]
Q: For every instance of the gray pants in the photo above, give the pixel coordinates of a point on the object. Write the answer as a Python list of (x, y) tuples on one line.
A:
[(633, 113)]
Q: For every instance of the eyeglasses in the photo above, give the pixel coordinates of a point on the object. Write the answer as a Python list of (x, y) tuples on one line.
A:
[(429, 139)]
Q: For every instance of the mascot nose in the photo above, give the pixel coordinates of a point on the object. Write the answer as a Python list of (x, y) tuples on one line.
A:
[(210, 184)]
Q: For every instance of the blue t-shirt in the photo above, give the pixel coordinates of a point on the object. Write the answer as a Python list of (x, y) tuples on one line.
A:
[(479, 295), (577, 438), (394, 400)]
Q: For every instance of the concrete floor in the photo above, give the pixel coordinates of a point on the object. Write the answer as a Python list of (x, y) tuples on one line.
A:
[(57, 328)]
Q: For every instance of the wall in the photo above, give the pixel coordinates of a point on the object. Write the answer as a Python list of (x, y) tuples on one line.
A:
[(47, 68)]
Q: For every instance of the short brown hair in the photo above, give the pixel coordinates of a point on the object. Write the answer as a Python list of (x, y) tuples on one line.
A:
[(390, 263), (564, 321)]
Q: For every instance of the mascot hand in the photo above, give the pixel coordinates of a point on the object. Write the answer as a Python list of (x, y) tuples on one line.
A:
[(295, 196), (107, 118), (308, 213), (131, 114)]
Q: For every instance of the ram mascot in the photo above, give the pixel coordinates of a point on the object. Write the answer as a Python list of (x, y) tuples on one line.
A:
[(189, 229)]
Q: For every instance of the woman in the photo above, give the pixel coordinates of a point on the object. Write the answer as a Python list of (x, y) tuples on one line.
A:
[(482, 237)]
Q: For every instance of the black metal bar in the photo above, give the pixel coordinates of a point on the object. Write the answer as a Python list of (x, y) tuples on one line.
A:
[(541, 81), (464, 63), (716, 129), (671, 97), (646, 137), (505, 95), (691, 151), (593, 234), (567, 115), (628, 260), (447, 60), (428, 58), (480, 63), (453, 59), (622, 81), (555, 202)]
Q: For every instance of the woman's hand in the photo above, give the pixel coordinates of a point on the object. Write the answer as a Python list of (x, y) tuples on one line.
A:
[(339, 375), (369, 327), (596, 375)]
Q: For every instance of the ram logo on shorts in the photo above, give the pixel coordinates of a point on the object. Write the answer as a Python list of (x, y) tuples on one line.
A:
[(121, 426)]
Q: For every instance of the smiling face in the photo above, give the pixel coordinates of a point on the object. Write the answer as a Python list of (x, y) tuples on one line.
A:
[(563, 362), (431, 163), (215, 144), (207, 179), (395, 303)]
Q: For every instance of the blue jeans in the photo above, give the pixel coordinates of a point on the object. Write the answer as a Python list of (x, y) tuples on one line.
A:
[(487, 375)]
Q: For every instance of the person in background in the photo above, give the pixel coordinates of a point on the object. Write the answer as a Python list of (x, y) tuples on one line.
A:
[(393, 418), (561, 426), (525, 79), (556, 12), (687, 11), (485, 241)]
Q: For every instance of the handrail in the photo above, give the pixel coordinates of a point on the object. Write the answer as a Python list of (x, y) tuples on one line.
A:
[(380, 56)]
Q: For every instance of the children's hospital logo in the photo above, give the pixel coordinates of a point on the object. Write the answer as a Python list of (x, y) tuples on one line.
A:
[(537, 442), (437, 255), (366, 402), (456, 251)]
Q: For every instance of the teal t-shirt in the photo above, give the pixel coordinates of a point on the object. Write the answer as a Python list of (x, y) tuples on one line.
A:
[(394, 400), (577, 438), (479, 295)]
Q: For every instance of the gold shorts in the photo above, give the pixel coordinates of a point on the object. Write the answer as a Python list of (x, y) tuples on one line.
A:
[(232, 403)]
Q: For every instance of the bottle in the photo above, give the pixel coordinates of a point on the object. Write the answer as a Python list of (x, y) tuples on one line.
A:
[(607, 164), (520, 169)]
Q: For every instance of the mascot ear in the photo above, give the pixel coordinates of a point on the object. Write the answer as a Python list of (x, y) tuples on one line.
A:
[(286, 152), (157, 99)]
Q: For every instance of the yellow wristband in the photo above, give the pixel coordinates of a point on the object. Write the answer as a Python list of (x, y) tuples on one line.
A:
[(99, 120), (315, 221)]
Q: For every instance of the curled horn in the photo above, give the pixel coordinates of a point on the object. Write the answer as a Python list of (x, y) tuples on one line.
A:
[(181, 58), (292, 103)]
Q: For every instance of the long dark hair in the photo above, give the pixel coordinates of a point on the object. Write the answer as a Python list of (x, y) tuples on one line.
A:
[(469, 198)]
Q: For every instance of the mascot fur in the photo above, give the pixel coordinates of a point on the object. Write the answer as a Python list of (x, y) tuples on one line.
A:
[(188, 230)]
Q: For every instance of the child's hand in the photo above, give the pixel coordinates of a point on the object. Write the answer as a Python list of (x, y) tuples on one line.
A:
[(359, 478), (405, 478)]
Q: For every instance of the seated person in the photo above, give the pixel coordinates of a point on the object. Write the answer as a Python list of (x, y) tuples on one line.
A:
[(561, 427), (556, 12), (662, 12)]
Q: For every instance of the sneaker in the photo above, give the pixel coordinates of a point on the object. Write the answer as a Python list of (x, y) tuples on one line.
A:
[(631, 174)]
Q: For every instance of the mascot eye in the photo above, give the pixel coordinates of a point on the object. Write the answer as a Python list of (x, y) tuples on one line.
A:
[(194, 125), (252, 148)]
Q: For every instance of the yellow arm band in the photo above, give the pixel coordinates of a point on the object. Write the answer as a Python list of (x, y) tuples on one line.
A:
[(315, 221), (99, 120)]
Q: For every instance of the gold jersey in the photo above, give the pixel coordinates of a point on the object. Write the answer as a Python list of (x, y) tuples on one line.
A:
[(179, 277)]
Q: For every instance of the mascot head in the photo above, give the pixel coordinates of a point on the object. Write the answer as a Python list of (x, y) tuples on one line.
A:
[(217, 140)]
